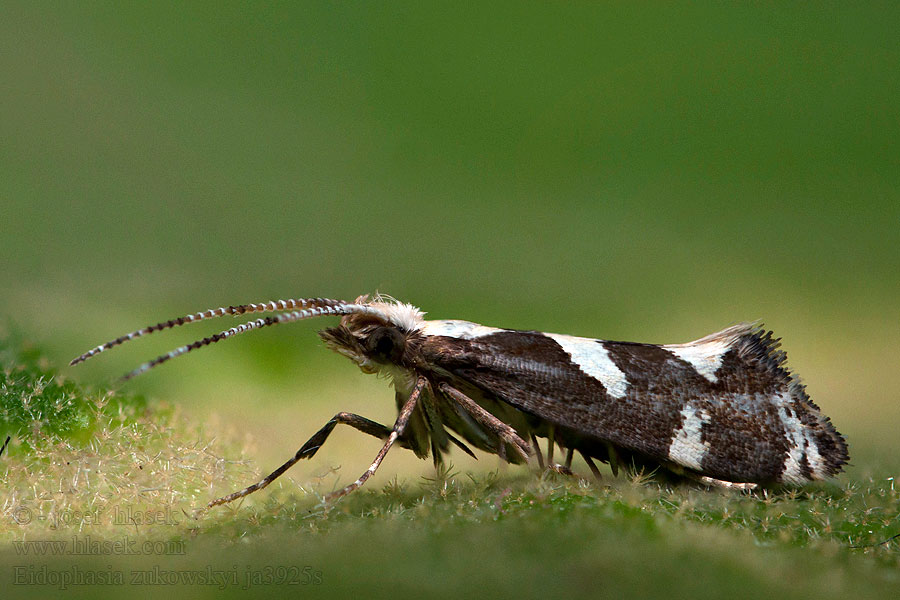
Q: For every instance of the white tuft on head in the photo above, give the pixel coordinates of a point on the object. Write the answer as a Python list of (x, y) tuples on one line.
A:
[(403, 315)]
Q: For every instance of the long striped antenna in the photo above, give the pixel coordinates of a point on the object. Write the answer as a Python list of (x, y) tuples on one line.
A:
[(242, 309), (319, 311)]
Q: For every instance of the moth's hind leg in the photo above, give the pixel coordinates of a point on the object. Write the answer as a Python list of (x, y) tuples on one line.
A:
[(712, 482), (310, 448), (552, 442)]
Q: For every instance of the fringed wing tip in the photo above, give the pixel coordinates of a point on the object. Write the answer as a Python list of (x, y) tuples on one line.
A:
[(758, 347), (729, 335)]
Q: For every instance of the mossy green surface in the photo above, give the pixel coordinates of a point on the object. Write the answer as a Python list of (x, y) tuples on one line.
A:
[(37, 404)]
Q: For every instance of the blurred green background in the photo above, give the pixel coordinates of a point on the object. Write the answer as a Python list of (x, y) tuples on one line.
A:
[(645, 173)]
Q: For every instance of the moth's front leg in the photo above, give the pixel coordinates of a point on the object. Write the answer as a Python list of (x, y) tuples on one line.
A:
[(399, 427), (359, 423), (309, 449)]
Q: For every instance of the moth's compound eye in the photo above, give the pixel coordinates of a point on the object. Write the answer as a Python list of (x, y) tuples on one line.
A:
[(385, 343)]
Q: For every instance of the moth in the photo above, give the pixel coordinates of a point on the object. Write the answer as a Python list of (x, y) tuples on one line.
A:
[(722, 409)]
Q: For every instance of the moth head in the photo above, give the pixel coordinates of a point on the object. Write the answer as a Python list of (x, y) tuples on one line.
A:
[(377, 339)]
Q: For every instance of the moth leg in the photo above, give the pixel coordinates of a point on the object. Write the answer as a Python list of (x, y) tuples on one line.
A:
[(537, 451), (309, 450), (434, 423), (496, 426), (461, 445), (730, 485), (551, 441), (357, 422), (501, 451), (396, 432), (556, 467), (565, 469), (592, 466), (613, 459), (436, 432)]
